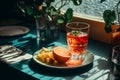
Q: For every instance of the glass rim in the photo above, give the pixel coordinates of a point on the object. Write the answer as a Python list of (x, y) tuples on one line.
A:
[(83, 23)]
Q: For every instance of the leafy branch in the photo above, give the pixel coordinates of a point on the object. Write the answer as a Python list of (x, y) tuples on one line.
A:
[(111, 17), (37, 8)]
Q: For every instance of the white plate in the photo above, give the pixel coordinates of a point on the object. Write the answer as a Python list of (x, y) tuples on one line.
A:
[(88, 59), (13, 30)]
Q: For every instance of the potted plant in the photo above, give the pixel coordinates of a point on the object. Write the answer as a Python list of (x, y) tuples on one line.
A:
[(46, 13), (112, 23)]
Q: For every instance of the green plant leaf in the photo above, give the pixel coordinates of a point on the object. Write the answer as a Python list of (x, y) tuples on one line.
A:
[(68, 15), (102, 1), (108, 28), (61, 19), (77, 2), (51, 11), (109, 17), (29, 11)]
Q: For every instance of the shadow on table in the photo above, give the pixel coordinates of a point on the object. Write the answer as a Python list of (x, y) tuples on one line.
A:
[(10, 73), (41, 69)]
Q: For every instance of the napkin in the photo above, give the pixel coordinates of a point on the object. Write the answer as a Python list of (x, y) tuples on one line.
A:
[(10, 54)]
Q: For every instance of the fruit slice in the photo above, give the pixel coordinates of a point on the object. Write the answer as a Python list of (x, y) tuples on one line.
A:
[(61, 54)]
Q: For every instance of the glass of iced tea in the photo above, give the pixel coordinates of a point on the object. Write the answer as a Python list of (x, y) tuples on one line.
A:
[(77, 38)]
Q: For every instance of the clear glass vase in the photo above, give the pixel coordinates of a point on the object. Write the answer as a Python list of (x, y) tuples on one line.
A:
[(46, 30)]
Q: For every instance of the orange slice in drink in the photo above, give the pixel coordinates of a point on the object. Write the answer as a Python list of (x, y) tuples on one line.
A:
[(61, 54)]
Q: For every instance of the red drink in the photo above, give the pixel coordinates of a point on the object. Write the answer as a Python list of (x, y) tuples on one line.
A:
[(77, 43), (77, 39)]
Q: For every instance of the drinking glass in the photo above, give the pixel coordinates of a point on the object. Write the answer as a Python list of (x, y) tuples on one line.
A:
[(116, 60), (77, 38)]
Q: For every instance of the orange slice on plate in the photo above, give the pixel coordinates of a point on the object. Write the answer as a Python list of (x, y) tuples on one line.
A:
[(61, 54)]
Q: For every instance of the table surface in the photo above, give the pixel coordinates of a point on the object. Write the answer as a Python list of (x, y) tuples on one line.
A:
[(100, 69)]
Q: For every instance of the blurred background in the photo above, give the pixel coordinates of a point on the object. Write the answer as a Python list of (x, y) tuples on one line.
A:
[(9, 9)]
